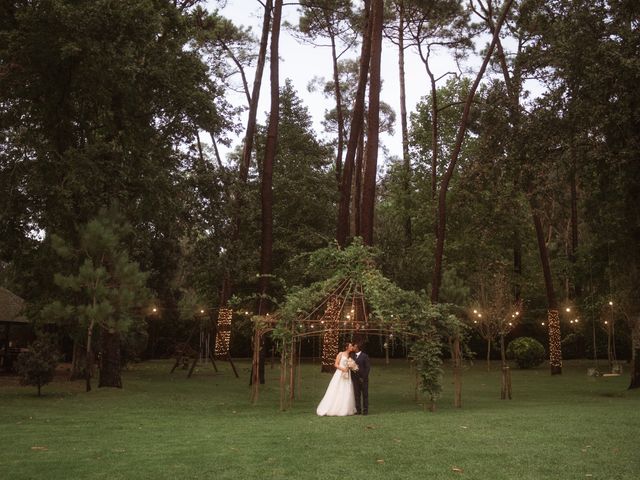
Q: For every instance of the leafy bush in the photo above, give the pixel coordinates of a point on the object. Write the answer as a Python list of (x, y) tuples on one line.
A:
[(526, 351), (36, 366)]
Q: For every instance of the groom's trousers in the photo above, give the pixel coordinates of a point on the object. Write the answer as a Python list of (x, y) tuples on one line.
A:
[(361, 391)]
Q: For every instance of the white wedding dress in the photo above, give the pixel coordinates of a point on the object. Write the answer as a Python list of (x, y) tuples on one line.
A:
[(339, 400)]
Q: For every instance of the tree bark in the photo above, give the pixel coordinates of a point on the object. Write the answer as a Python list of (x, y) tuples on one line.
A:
[(553, 320), (434, 133), (255, 94), (339, 112), (488, 354), (635, 355), (517, 264), (110, 362), (78, 362), (573, 257), (506, 372), (89, 366), (373, 124), (356, 127), (456, 353), (267, 166), (444, 185), (357, 194), (227, 287), (406, 161)]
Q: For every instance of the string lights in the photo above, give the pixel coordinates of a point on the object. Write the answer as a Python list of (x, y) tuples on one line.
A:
[(330, 337), (555, 352), (223, 332)]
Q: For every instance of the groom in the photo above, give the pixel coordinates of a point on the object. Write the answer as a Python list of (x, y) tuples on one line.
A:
[(360, 378)]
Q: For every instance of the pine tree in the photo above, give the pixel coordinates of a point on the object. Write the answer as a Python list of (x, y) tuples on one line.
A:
[(109, 291), (37, 366)]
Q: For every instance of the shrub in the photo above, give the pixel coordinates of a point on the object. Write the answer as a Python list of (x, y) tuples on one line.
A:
[(36, 366), (526, 351)]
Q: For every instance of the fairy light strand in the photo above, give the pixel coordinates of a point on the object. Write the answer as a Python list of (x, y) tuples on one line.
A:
[(555, 351), (330, 337), (223, 332)]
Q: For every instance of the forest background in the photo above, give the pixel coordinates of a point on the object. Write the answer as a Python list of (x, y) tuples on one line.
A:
[(113, 116)]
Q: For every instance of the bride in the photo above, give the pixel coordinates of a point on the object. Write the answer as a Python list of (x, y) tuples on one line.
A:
[(339, 400)]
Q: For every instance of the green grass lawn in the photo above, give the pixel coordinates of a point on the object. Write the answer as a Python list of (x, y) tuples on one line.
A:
[(167, 426)]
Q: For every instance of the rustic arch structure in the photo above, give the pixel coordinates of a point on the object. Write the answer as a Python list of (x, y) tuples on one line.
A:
[(356, 299)]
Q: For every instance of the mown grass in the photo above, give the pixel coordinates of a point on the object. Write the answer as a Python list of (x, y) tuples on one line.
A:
[(165, 426)]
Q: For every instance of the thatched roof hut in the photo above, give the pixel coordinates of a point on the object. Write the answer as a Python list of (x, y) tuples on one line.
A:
[(11, 307)]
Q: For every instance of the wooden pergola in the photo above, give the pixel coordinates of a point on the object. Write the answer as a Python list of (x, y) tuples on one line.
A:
[(344, 310)]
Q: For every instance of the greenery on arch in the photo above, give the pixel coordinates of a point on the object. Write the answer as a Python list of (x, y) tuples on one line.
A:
[(428, 327)]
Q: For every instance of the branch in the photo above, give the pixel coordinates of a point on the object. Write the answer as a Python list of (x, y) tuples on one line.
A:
[(444, 75), (240, 69)]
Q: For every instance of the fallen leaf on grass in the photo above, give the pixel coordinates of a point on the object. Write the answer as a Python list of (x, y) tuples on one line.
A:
[(457, 469), (397, 440), (41, 449), (380, 461)]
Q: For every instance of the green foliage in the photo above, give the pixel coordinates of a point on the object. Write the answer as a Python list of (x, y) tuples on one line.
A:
[(105, 290), (427, 327), (526, 351), (427, 355), (103, 101), (37, 366), (110, 288)]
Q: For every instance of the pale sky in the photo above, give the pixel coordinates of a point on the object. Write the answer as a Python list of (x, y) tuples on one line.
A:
[(301, 62)]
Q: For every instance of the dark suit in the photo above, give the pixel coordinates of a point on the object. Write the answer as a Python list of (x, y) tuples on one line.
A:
[(360, 381)]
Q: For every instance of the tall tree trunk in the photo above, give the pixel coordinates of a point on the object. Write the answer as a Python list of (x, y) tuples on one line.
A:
[(78, 361), (513, 90), (444, 185), (227, 287), (635, 355), (517, 265), (373, 124), (488, 354), (434, 132), (456, 355), (573, 256), (339, 112), (255, 93), (267, 166), (110, 361), (357, 194), (553, 318), (406, 162), (89, 368), (356, 127), (505, 391)]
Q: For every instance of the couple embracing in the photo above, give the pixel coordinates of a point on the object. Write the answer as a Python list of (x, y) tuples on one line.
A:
[(348, 390)]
